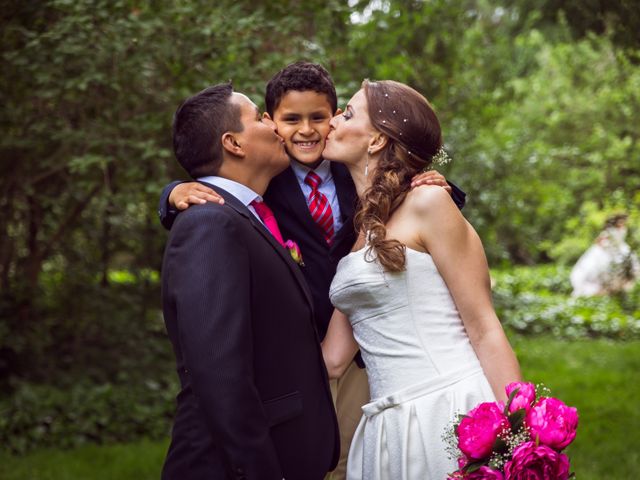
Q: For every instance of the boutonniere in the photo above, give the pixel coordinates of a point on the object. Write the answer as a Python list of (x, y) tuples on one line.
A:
[(294, 251)]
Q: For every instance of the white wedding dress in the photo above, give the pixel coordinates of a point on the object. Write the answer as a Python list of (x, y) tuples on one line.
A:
[(421, 366)]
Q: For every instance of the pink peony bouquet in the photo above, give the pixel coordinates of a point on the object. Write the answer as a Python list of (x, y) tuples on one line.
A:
[(522, 440)]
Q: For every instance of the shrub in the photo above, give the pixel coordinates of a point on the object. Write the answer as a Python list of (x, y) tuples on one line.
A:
[(536, 300), (49, 416)]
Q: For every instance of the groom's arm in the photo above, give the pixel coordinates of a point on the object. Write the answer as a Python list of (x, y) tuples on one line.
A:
[(209, 284)]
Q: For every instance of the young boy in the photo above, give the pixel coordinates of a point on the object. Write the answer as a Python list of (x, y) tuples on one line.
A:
[(314, 203)]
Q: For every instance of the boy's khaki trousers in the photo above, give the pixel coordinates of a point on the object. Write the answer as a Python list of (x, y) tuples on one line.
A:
[(350, 392)]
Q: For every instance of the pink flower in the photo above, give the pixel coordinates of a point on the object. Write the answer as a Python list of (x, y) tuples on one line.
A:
[(294, 251), (462, 461), (531, 462), (525, 396), (552, 423), (479, 429)]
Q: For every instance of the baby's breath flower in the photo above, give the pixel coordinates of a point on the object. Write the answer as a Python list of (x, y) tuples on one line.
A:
[(516, 439), (450, 440), (542, 391), (441, 157)]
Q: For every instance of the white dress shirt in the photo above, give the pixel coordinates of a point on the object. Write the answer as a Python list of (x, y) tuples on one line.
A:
[(327, 187), (243, 193)]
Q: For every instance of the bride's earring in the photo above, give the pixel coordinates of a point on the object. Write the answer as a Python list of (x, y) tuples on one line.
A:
[(366, 165)]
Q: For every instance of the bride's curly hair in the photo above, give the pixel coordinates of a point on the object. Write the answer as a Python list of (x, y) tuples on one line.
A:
[(414, 137)]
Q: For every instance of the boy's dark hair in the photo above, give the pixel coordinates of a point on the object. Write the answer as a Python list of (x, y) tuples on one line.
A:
[(300, 76), (198, 126)]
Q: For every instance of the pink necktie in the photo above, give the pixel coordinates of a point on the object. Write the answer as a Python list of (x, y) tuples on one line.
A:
[(319, 207), (266, 215)]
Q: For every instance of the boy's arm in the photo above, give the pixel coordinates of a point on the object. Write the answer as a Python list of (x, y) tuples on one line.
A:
[(458, 196), (166, 213), (179, 195)]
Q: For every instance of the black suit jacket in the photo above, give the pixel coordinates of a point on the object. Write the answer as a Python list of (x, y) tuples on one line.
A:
[(254, 400), (287, 201)]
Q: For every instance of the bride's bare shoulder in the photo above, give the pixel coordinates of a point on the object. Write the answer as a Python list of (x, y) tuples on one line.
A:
[(429, 199), (436, 217)]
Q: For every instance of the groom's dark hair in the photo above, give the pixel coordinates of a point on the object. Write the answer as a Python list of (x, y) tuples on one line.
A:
[(198, 126), (300, 77)]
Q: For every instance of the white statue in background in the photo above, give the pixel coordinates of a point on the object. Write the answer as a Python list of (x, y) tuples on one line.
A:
[(609, 265)]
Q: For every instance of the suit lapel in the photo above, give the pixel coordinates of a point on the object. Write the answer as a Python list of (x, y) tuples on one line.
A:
[(235, 204), (284, 254)]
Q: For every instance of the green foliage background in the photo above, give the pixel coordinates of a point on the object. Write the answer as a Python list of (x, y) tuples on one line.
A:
[(539, 103)]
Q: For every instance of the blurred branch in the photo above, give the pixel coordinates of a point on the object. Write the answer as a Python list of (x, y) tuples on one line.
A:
[(69, 220)]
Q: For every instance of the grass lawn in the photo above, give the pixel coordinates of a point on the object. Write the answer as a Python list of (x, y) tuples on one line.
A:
[(600, 377), (136, 461)]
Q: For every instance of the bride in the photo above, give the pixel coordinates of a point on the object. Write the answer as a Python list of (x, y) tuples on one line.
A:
[(414, 294)]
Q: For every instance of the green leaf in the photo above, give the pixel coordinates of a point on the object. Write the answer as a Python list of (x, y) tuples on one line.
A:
[(473, 466), (510, 400), (516, 419), (500, 445)]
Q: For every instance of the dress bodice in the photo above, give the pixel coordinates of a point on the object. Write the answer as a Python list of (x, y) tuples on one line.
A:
[(406, 323)]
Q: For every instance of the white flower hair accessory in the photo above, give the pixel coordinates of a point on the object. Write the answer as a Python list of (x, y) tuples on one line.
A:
[(441, 157)]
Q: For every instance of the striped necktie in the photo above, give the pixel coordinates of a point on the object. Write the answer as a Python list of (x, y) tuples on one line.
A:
[(319, 207)]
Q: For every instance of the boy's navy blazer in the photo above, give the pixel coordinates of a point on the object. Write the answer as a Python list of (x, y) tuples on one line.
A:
[(289, 205), (255, 399)]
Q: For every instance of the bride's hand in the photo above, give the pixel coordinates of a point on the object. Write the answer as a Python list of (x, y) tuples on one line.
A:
[(431, 177), (192, 193)]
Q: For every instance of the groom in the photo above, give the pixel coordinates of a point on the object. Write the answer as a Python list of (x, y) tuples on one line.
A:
[(255, 400)]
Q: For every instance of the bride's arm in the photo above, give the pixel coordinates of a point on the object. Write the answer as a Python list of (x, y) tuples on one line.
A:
[(458, 254), (338, 347)]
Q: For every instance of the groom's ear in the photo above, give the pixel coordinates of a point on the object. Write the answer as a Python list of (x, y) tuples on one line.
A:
[(231, 145), (267, 116)]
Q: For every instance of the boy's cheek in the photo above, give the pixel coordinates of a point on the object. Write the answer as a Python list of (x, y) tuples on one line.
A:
[(283, 131)]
